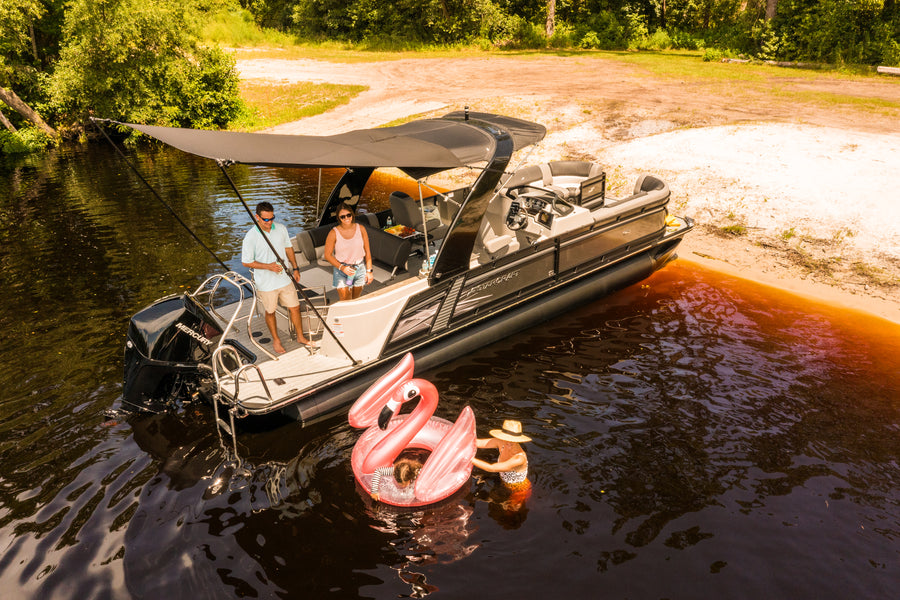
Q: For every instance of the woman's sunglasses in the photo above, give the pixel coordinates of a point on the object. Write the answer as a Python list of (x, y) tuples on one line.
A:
[(346, 216)]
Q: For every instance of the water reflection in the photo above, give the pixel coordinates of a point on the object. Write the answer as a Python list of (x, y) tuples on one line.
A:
[(693, 436)]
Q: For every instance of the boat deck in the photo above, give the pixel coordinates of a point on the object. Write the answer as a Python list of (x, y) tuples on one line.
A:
[(286, 374)]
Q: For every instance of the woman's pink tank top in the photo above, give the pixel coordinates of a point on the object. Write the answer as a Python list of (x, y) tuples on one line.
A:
[(349, 251)]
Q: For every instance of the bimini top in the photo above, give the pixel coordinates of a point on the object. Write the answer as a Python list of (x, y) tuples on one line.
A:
[(430, 145)]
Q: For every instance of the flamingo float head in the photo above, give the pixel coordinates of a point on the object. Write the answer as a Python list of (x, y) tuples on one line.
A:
[(406, 392)]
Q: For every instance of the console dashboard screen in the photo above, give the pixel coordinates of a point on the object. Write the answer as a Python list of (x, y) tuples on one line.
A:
[(545, 219)]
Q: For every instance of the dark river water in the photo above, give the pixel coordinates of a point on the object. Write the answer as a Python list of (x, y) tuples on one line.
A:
[(695, 435)]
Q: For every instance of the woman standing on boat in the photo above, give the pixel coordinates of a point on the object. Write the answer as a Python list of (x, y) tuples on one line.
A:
[(347, 249)]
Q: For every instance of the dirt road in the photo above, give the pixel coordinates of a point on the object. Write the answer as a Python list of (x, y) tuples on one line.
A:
[(801, 168)]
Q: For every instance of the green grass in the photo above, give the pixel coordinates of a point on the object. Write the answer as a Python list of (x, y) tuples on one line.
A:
[(270, 104), (788, 234), (736, 230), (236, 28), (740, 82)]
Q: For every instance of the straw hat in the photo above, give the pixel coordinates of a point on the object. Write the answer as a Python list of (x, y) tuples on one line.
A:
[(511, 432)]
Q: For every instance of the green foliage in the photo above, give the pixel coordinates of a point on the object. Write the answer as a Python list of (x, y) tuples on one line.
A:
[(822, 30), (713, 55), (836, 31), (23, 141), (141, 62), (682, 40), (236, 27), (272, 14), (528, 36), (602, 31), (19, 61)]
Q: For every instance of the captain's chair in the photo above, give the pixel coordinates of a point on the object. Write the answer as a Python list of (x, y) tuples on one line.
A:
[(407, 212)]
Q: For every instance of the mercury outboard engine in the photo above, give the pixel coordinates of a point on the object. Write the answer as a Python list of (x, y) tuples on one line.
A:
[(166, 345)]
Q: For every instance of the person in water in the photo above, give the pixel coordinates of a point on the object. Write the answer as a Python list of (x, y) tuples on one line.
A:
[(273, 285), (512, 464), (404, 472), (347, 249)]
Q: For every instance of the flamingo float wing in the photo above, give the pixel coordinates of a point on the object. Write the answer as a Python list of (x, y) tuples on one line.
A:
[(450, 463)]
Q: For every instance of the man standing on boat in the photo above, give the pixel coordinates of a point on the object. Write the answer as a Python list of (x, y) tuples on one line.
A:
[(272, 283)]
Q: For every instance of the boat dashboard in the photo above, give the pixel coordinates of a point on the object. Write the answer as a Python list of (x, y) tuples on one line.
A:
[(539, 205)]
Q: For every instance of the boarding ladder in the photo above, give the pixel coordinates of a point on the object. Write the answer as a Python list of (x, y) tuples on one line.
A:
[(226, 360)]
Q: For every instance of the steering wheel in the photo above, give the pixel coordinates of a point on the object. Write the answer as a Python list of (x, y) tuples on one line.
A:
[(515, 218), (559, 204)]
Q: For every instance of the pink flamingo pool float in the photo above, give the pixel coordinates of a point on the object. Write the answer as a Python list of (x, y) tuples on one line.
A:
[(452, 445)]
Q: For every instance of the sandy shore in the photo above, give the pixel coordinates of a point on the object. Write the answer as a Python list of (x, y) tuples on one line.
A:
[(804, 203)]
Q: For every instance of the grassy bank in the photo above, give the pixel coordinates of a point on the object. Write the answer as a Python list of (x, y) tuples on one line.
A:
[(268, 104)]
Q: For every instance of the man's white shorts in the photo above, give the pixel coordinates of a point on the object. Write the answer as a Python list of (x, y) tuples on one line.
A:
[(286, 295)]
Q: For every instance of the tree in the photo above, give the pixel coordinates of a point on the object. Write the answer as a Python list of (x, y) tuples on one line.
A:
[(13, 100), (141, 61), (551, 17), (17, 42)]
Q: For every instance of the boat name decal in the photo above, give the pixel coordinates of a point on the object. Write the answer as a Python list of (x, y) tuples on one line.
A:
[(193, 334), (491, 283)]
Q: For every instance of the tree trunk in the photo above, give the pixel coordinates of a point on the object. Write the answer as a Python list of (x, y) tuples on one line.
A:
[(446, 11), (771, 5), (6, 122), (23, 109), (551, 17), (33, 41)]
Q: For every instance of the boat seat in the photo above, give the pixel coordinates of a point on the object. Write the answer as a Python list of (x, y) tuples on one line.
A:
[(407, 212), (389, 252), (545, 174)]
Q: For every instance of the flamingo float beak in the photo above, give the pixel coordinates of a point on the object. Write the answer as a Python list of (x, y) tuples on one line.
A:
[(384, 417)]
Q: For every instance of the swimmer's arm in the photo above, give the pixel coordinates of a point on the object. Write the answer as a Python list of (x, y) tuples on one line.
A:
[(509, 464)]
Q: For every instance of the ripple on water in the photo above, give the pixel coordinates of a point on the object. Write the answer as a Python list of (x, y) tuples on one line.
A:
[(693, 435)]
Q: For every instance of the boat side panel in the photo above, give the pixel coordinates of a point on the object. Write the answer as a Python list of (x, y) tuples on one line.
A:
[(606, 243), (490, 327)]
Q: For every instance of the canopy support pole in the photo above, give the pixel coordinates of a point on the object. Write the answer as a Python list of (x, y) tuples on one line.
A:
[(424, 224), (319, 192), (297, 286)]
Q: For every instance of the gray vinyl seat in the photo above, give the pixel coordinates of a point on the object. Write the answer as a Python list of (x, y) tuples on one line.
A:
[(407, 212)]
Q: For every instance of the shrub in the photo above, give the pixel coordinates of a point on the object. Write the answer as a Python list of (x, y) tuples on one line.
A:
[(681, 40), (563, 36), (23, 141), (528, 36), (636, 28), (713, 55), (601, 31), (141, 62)]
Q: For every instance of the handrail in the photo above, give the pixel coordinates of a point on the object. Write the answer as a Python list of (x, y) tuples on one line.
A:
[(238, 281), (236, 375), (262, 380)]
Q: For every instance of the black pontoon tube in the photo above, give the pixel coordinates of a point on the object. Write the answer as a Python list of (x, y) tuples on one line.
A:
[(97, 122), (297, 286)]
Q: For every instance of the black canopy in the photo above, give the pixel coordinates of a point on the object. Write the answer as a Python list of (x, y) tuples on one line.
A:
[(427, 145)]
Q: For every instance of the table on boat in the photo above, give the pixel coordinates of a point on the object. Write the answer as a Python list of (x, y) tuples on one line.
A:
[(416, 237)]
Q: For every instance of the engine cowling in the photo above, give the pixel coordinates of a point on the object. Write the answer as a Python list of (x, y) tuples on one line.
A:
[(166, 344)]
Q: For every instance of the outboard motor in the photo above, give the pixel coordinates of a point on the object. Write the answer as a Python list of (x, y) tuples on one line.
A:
[(166, 344)]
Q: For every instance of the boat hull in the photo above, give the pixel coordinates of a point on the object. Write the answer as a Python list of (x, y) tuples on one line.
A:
[(528, 312)]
